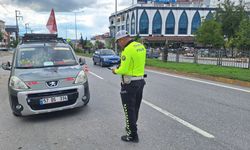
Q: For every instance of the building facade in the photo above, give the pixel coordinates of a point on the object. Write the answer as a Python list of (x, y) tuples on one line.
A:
[(161, 22)]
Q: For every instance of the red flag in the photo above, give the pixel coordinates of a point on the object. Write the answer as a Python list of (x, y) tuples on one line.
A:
[(51, 24)]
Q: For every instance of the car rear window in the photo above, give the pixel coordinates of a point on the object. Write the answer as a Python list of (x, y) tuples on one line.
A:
[(39, 57), (107, 52)]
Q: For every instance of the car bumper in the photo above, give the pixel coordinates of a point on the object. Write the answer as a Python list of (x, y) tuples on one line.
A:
[(28, 100)]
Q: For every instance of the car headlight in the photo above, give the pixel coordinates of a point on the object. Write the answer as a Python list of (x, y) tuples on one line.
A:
[(81, 77), (17, 83)]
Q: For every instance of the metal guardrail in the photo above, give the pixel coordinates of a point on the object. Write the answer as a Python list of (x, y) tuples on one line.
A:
[(241, 62)]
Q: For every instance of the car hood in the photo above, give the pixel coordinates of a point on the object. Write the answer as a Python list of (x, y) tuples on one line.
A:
[(44, 74), (110, 56)]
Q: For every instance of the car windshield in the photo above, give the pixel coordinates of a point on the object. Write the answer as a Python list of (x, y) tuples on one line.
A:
[(107, 52), (40, 57)]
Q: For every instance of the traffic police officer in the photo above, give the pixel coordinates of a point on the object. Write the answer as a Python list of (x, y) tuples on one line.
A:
[(131, 69)]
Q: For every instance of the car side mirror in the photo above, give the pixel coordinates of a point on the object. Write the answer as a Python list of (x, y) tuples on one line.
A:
[(82, 61), (6, 66)]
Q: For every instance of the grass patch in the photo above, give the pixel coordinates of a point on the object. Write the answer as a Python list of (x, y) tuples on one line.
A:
[(210, 70)]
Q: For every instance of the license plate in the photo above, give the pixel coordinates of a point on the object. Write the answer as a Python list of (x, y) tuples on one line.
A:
[(114, 61), (51, 100)]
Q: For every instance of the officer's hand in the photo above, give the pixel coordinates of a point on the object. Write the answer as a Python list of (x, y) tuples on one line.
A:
[(113, 71)]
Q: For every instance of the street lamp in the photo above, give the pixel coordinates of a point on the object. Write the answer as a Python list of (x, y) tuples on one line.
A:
[(76, 27)]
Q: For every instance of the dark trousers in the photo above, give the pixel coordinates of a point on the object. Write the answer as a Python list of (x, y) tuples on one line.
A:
[(131, 95)]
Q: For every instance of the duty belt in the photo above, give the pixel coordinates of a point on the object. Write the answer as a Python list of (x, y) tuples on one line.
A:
[(136, 78), (128, 79)]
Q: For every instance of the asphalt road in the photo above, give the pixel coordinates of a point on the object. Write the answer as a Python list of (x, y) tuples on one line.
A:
[(177, 113)]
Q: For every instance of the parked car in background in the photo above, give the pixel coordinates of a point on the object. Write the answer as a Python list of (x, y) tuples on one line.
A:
[(105, 57), (45, 76), (153, 53)]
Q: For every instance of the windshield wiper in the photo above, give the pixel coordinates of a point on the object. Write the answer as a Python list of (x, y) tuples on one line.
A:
[(62, 65)]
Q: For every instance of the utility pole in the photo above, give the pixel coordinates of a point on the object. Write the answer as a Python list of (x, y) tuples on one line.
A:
[(116, 25), (18, 16), (76, 28)]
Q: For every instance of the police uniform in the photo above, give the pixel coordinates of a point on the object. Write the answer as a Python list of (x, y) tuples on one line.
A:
[(131, 69)]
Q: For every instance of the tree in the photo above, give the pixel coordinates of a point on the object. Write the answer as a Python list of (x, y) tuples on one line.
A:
[(99, 45), (110, 43), (229, 16), (82, 42), (85, 42), (210, 34), (231, 43), (13, 43), (243, 38)]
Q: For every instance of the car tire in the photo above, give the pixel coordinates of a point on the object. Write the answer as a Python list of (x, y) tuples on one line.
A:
[(86, 102), (16, 115)]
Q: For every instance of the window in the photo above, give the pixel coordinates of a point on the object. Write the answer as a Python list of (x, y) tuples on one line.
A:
[(127, 23), (183, 23), (170, 23), (144, 23), (157, 23), (196, 22), (39, 57), (209, 16), (133, 24)]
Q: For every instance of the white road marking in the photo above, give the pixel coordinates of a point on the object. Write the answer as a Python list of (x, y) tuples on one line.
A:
[(95, 75), (196, 129), (200, 81)]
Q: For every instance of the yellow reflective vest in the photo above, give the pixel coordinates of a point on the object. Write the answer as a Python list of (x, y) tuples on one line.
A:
[(133, 59)]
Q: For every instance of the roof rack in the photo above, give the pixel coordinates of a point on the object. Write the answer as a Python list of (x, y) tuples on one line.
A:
[(31, 38)]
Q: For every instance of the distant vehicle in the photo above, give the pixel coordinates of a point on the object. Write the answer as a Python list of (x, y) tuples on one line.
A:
[(189, 54), (153, 53), (105, 57), (3, 49), (45, 76)]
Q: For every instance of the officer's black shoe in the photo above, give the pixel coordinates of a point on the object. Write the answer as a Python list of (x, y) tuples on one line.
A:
[(128, 138)]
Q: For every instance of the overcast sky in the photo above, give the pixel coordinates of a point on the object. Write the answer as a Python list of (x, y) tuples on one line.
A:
[(93, 20)]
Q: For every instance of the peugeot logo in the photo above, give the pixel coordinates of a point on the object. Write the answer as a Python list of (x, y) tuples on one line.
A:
[(52, 84)]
